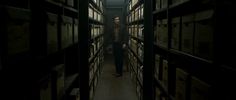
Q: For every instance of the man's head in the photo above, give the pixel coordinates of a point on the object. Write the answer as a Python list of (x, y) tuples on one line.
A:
[(117, 20)]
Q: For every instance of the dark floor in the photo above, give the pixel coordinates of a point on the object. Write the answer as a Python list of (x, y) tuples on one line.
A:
[(114, 88)]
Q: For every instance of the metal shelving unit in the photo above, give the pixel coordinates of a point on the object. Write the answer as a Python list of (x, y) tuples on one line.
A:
[(54, 68), (135, 18), (189, 69), (96, 38)]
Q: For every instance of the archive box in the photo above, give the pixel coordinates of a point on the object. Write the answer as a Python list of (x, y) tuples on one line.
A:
[(75, 94), (157, 94), (181, 84), (66, 31), (157, 66), (52, 33), (58, 81), (70, 2), (158, 32), (175, 25), (174, 2), (164, 3), (199, 90), (76, 31), (187, 33), (164, 34), (165, 73), (45, 88), (158, 4), (15, 30), (204, 34)]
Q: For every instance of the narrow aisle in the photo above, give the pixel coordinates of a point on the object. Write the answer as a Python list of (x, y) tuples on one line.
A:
[(114, 88)]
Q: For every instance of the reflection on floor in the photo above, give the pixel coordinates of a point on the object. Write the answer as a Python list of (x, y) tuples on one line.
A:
[(114, 88)]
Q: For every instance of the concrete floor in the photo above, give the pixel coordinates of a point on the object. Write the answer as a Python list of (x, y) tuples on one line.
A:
[(114, 88)]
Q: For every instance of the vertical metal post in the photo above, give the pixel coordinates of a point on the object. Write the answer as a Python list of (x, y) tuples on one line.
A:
[(83, 49), (148, 87)]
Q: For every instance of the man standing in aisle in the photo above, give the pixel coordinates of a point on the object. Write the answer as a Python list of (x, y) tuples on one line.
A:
[(118, 46)]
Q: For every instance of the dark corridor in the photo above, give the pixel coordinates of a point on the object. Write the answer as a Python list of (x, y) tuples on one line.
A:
[(62, 49)]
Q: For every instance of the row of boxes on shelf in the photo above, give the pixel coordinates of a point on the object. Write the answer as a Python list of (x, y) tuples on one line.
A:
[(95, 46), (99, 4), (136, 30), (137, 47), (191, 33), (133, 45), (161, 4), (71, 3), (69, 31), (161, 70), (136, 67), (132, 3), (136, 14), (136, 74), (16, 30), (95, 72), (95, 66), (93, 87), (139, 91), (198, 89), (96, 30), (95, 14), (140, 74), (51, 86), (141, 51), (133, 61)]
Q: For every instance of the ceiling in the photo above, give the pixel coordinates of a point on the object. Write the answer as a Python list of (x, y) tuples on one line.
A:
[(115, 3)]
